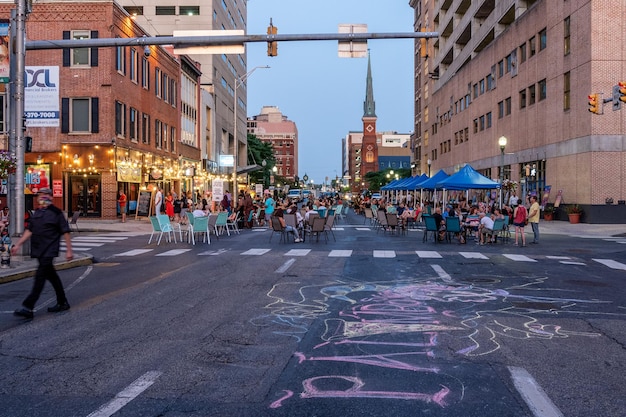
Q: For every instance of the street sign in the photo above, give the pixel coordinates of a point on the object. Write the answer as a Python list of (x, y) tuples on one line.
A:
[(352, 48)]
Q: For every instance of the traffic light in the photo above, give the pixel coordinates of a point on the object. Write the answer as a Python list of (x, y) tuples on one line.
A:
[(272, 46), (622, 91), (594, 103)]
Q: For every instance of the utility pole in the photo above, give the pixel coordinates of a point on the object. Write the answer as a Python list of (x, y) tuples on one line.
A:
[(15, 189)]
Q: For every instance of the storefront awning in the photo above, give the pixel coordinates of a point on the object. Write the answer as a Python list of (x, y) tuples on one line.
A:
[(248, 168)]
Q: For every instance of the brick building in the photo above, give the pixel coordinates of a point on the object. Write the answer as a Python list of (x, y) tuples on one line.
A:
[(523, 70), (119, 123)]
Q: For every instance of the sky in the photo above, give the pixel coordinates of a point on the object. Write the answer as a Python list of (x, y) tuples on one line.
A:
[(322, 93)]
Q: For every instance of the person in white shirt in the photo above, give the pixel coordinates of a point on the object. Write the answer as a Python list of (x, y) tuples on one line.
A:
[(158, 201), (486, 227)]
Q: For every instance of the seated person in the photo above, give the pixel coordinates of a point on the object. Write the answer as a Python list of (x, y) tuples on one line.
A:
[(199, 212), (485, 228), (279, 213), (441, 223)]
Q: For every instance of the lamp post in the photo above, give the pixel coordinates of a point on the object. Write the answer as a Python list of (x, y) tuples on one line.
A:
[(238, 83), (428, 162), (502, 143)]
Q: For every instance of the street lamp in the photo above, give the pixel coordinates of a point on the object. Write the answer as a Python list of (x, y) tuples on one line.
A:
[(238, 83), (428, 162), (502, 143), (264, 163)]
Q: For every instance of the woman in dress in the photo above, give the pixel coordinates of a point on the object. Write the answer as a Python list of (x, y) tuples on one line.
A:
[(169, 205)]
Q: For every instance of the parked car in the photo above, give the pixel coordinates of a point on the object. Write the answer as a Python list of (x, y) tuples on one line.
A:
[(295, 195), (377, 196)]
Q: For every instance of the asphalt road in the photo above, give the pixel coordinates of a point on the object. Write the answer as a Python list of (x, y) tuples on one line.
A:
[(371, 324)]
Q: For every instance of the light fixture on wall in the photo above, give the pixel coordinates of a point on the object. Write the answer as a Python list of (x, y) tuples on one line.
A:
[(91, 158), (39, 160), (76, 160)]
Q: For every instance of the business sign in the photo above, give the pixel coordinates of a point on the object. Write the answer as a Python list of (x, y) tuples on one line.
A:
[(41, 97), (37, 176), (4, 51), (227, 161), (217, 190)]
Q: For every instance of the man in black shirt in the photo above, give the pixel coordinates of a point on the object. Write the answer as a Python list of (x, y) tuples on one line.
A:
[(45, 227)]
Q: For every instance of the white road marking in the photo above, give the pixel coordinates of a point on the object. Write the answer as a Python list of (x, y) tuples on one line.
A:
[(572, 263), (284, 267), (611, 263), (363, 228), (97, 239), (445, 277), (127, 395), (256, 252), (173, 252), (558, 257), (532, 393), (340, 253), (85, 243), (134, 252), (428, 254), (518, 258), (384, 254), (298, 252), (213, 252), (473, 255), (338, 228)]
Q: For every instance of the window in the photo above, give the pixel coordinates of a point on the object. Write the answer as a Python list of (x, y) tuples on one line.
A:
[(80, 56), (165, 88), (531, 46), (80, 115), (164, 135), (489, 121), (566, 36), (531, 95), (165, 10), (566, 91), (475, 125), (522, 52), (157, 82), (500, 69), (189, 10), (543, 90), (482, 123), (145, 128), (522, 99), (481, 87), (172, 138), (509, 63), (475, 90), (120, 118), (157, 134), (501, 110), (173, 96), (491, 79), (134, 65), (134, 124), (145, 73), (134, 10), (369, 156), (120, 60), (507, 106), (543, 39)]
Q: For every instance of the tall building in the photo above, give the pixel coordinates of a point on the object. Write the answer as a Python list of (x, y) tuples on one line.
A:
[(220, 73), (275, 128), (522, 69)]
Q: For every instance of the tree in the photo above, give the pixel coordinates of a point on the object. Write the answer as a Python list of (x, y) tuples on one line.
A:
[(259, 151)]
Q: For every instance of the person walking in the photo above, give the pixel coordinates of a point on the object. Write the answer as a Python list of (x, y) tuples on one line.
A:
[(519, 221), (169, 206), (533, 218), (45, 228), (122, 202)]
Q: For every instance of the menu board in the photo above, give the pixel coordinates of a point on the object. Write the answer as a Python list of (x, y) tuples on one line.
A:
[(144, 204)]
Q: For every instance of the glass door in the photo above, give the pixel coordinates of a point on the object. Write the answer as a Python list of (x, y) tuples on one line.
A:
[(85, 195)]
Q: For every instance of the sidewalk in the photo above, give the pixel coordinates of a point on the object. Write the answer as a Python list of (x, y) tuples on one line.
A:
[(25, 267)]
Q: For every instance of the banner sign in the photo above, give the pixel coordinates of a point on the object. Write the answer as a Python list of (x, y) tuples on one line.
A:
[(41, 97), (4, 52)]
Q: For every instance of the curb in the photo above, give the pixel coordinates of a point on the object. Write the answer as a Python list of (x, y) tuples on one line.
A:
[(29, 271)]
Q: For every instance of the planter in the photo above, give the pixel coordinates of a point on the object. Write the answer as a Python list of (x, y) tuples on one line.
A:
[(548, 216), (574, 218)]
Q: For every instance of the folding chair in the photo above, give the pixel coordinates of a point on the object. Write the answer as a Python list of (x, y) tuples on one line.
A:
[(200, 225), (431, 226), (74, 221), (278, 228)]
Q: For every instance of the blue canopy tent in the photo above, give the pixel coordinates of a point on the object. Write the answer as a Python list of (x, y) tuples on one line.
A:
[(467, 178), (431, 183), (412, 184)]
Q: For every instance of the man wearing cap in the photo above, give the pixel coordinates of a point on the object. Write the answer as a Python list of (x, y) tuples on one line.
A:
[(45, 227)]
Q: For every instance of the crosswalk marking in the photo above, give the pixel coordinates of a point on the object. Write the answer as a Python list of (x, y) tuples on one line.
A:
[(298, 252), (173, 252), (428, 254), (473, 255), (213, 252), (518, 258), (572, 263), (340, 253), (363, 228), (134, 252), (384, 254), (256, 252), (611, 263), (565, 258)]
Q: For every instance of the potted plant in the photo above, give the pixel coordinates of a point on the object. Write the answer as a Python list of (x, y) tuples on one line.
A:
[(548, 213), (574, 212)]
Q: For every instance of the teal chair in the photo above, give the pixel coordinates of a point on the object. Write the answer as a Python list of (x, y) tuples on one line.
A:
[(200, 225), (431, 226)]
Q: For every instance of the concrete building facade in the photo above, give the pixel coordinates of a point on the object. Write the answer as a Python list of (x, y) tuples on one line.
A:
[(523, 70), (273, 127)]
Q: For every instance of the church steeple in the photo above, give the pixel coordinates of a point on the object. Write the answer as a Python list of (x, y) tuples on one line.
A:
[(369, 106)]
